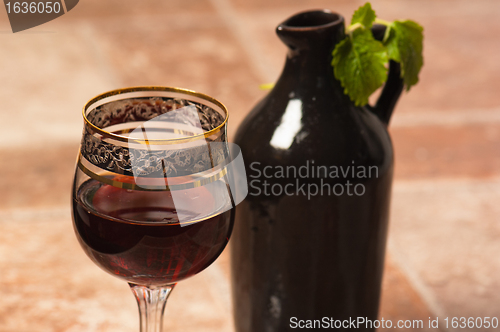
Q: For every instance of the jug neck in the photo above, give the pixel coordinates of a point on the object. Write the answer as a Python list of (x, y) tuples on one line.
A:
[(311, 37)]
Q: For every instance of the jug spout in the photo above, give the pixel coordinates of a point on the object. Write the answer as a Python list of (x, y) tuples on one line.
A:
[(316, 29)]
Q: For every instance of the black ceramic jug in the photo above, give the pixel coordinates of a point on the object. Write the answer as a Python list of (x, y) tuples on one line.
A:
[(309, 239)]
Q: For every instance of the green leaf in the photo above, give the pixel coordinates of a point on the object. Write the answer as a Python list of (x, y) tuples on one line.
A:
[(359, 63), (404, 45), (364, 15)]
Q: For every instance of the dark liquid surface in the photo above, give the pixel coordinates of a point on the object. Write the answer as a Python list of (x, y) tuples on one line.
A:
[(136, 235)]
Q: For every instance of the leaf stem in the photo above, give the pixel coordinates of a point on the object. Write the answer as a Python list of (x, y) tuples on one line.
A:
[(354, 26), (383, 22)]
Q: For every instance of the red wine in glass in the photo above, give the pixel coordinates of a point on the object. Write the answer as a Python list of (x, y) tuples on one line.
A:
[(136, 235)]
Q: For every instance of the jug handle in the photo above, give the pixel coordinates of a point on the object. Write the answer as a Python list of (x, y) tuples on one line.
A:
[(393, 86)]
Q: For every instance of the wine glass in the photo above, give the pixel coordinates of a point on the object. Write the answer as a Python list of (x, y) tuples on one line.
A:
[(154, 189)]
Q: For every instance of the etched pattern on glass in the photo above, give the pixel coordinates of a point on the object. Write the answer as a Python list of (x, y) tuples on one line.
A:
[(144, 162)]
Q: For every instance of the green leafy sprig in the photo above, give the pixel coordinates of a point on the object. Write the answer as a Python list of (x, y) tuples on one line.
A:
[(360, 61)]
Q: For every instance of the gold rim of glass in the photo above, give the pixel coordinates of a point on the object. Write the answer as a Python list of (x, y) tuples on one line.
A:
[(154, 88)]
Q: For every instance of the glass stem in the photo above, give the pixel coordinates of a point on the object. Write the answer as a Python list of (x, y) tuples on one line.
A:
[(151, 302)]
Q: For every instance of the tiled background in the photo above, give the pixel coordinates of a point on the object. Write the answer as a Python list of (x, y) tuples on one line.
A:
[(444, 241)]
